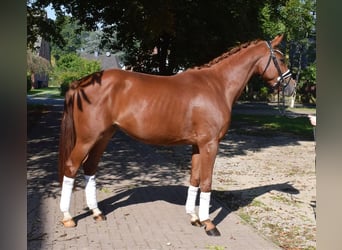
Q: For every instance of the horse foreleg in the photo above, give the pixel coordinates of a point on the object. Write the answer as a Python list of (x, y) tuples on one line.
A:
[(190, 205), (207, 155), (90, 192)]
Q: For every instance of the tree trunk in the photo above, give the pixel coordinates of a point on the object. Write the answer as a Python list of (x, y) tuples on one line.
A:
[(163, 46), (292, 101)]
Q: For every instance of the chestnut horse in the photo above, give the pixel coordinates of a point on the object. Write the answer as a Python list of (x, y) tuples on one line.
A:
[(193, 107)]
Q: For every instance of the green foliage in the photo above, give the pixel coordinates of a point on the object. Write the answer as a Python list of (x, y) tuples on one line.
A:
[(36, 64), (76, 38), (29, 83), (65, 79), (184, 33), (309, 74), (269, 124), (38, 25), (263, 93), (75, 63), (70, 31), (71, 67), (306, 92), (297, 20), (270, 26)]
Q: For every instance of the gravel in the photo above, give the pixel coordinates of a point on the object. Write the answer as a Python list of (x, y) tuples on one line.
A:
[(270, 182)]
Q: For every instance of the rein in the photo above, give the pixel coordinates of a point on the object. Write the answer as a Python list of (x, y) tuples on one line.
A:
[(281, 78)]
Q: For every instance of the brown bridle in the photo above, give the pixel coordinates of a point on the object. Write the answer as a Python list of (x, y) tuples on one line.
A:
[(282, 76), (281, 80)]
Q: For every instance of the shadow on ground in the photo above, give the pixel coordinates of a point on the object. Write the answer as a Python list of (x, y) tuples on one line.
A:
[(176, 194)]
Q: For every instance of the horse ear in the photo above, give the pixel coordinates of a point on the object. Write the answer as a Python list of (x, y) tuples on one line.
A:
[(277, 40)]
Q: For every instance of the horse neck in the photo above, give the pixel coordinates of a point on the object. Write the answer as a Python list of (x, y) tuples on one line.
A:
[(236, 70)]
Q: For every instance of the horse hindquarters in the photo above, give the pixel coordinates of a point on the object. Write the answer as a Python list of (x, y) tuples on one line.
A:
[(91, 162), (91, 138)]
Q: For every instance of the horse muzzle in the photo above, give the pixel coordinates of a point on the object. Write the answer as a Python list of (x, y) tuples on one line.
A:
[(289, 87), (286, 84)]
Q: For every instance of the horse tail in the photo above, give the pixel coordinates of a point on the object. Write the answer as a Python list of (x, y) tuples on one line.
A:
[(67, 134)]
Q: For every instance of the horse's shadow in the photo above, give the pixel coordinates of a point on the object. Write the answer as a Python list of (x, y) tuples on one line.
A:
[(235, 199), (223, 201)]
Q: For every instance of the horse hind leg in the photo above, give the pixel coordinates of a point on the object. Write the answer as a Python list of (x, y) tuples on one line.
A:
[(88, 153), (90, 166), (72, 165)]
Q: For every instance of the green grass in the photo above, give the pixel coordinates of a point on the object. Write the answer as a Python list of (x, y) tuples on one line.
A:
[(245, 217), (268, 125), (53, 92), (256, 203), (214, 247)]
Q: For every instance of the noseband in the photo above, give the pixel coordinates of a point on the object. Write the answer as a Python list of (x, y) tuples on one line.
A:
[(282, 76)]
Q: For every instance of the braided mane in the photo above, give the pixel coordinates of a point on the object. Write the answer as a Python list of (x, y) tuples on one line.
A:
[(87, 80), (225, 55)]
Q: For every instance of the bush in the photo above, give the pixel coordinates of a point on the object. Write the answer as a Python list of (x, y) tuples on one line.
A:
[(66, 78), (263, 94), (71, 67)]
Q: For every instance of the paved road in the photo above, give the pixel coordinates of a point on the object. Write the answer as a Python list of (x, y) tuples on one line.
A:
[(141, 189)]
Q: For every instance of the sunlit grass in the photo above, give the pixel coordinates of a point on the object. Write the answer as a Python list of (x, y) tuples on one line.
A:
[(52, 92), (267, 125)]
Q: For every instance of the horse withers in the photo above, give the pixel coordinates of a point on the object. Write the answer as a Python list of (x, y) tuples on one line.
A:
[(193, 107)]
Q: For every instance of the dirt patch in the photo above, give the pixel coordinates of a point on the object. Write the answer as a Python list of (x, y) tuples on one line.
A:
[(270, 182)]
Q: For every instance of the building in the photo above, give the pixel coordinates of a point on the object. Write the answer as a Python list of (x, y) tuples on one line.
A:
[(41, 80), (107, 60)]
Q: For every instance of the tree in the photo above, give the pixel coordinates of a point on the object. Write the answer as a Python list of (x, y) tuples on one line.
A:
[(71, 32), (164, 36), (181, 33), (297, 19), (35, 65), (38, 25)]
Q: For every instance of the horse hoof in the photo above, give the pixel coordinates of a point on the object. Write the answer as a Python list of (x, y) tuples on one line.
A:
[(196, 223), (68, 223), (213, 232), (210, 228), (99, 217)]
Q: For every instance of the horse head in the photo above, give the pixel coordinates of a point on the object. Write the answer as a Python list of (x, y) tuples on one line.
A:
[(273, 69)]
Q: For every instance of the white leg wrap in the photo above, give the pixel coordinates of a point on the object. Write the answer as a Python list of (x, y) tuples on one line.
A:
[(96, 211), (67, 216), (90, 191), (68, 184), (191, 200), (204, 206)]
